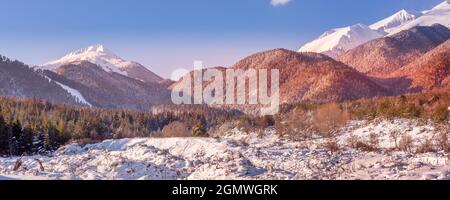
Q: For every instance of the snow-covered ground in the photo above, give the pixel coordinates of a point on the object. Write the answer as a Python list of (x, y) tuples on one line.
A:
[(237, 155)]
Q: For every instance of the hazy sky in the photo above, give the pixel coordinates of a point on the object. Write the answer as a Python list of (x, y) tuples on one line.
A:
[(169, 34)]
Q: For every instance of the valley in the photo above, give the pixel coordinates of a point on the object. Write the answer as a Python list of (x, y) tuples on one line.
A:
[(368, 102)]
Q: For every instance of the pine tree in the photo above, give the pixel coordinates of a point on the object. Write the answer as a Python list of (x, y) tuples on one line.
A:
[(3, 136), (39, 143), (26, 141), (15, 138)]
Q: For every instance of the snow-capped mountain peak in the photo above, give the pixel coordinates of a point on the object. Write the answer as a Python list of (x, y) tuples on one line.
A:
[(440, 14), (107, 60), (97, 54), (396, 20), (99, 48), (337, 41), (443, 5)]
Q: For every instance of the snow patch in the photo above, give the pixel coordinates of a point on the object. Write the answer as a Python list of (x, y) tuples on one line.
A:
[(75, 93), (337, 41), (398, 19)]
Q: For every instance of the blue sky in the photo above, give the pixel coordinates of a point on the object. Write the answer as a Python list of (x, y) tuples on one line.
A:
[(169, 34)]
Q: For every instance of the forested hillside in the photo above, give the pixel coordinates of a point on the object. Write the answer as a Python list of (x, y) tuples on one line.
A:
[(37, 126)]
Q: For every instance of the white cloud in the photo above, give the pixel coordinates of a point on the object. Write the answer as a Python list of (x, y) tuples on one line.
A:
[(279, 2)]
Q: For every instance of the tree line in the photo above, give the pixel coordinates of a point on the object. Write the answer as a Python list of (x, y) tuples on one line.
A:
[(38, 126)]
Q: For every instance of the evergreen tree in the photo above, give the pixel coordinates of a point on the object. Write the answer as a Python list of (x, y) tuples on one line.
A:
[(26, 141), (14, 136), (4, 140), (35, 126), (39, 144)]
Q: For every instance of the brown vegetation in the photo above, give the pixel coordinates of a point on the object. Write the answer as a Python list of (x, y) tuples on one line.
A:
[(312, 77), (329, 118), (174, 129), (383, 56)]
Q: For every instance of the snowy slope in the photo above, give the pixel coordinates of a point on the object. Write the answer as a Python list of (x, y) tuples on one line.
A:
[(439, 14), (75, 93), (398, 19), (238, 155), (337, 41)]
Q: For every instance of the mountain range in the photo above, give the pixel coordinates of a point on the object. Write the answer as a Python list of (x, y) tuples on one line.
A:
[(93, 76), (430, 71), (312, 77), (19, 80), (337, 41), (354, 62), (107, 89), (414, 60), (382, 56)]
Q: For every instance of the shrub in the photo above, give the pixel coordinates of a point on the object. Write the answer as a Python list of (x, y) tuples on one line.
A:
[(440, 114), (175, 129), (199, 130), (331, 145), (352, 141), (406, 143), (442, 135), (426, 146), (329, 118), (295, 124), (374, 141), (264, 122), (244, 124), (363, 146), (411, 110), (395, 136), (85, 141)]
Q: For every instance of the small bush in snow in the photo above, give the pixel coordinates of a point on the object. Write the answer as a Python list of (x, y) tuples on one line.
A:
[(440, 114), (175, 129), (199, 130), (332, 145), (329, 118), (296, 125), (374, 141), (406, 143), (442, 137), (352, 141), (426, 146), (394, 135)]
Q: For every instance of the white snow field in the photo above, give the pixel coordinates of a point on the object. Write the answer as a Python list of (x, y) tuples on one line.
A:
[(238, 155)]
